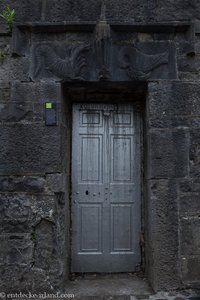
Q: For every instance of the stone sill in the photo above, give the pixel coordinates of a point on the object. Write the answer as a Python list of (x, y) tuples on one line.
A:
[(161, 27)]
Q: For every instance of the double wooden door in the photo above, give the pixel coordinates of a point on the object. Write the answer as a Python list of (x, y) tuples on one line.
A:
[(106, 200)]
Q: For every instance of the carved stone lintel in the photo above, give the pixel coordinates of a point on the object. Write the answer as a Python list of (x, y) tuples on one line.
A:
[(72, 67), (139, 65)]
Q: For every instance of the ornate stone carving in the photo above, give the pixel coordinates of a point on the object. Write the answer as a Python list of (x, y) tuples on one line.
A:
[(73, 66), (139, 65), (103, 45)]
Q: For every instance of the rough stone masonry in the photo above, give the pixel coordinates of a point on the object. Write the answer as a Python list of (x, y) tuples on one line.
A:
[(67, 51)]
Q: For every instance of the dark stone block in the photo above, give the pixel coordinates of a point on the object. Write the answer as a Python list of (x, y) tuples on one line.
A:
[(4, 93), (162, 234), (15, 226), (188, 64), (195, 153), (14, 279), (189, 236), (136, 61), (72, 10), (189, 185), (16, 112), (20, 45), (35, 92), (22, 184), (26, 10), (15, 206), (15, 69), (16, 249), (30, 149), (170, 102), (56, 182), (168, 153), (179, 10), (185, 48), (191, 269), (24, 278), (45, 251), (122, 10), (27, 207), (190, 204)]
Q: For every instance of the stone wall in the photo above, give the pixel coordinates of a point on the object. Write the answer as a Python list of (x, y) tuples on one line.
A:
[(35, 159), (173, 182)]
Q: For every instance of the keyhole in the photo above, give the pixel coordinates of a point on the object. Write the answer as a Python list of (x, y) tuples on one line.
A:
[(86, 192)]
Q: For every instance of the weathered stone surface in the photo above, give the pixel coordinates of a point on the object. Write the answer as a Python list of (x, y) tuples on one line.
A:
[(168, 153), (23, 279), (4, 93), (168, 103), (16, 249), (56, 182), (122, 10), (188, 64), (190, 269), (189, 236), (30, 149), (26, 10), (163, 233), (190, 204), (16, 112), (194, 153), (27, 207), (35, 92), (189, 185), (46, 256), (22, 184), (15, 226), (15, 69)]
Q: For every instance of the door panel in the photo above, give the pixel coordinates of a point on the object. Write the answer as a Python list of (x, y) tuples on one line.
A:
[(105, 188)]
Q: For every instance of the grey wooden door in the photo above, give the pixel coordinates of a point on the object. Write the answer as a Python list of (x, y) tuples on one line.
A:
[(106, 216)]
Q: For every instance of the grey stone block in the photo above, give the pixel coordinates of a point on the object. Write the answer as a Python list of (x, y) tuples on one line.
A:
[(30, 149), (168, 153)]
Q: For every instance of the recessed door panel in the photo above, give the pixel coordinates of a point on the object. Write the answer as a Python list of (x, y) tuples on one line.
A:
[(105, 188)]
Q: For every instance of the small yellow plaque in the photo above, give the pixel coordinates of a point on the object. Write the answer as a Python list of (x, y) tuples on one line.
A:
[(48, 105)]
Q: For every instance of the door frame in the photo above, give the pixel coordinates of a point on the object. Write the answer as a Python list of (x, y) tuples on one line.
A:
[(107, 90)]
